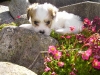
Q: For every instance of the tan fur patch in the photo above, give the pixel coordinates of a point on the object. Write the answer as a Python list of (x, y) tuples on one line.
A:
[(52, 12), (33, 20), (49, 25), (31, 10)]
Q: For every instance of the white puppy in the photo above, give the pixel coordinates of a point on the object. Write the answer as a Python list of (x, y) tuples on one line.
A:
[(40, 16), (45, 17)]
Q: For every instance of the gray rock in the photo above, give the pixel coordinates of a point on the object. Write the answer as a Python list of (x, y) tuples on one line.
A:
[(5, 3), (22, 20), (59, 3), (23, 47), (96, 0), (18, 7), (84, 9), (32, 1), (38, 64), (5, 16), (7, 68)]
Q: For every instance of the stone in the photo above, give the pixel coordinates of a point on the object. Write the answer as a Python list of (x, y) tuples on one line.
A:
[(96, 0), (58, 3), (22, 20), (38, 62), (32, 1), (5, 3), (5, 16), (7, 68), (23, 47), (86, 9), (18, 7)]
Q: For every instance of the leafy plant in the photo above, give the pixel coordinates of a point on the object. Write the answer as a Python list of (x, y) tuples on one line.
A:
[(76, 54)]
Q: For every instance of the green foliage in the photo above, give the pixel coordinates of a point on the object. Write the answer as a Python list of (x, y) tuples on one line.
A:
[(78, 51), (5, 25), (71, 47)]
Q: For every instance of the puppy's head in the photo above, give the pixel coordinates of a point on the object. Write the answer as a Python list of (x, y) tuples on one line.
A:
[(41, 16)]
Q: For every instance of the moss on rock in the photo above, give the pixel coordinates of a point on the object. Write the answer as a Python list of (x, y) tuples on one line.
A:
[(5, 25)]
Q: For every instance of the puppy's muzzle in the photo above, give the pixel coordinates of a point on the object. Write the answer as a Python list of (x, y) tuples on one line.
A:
[(42, 31)]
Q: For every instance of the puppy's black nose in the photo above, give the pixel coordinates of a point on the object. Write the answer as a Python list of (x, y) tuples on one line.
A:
[(42, 31)]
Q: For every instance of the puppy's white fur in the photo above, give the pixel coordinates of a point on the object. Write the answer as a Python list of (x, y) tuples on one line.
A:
[(59, 21), (63, 22), (27, 26)]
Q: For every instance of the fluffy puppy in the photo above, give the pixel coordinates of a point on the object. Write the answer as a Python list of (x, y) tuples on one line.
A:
[(41, 17), (45, 17)]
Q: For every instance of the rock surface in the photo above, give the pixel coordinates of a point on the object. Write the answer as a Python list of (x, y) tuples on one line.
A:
[(7, 68), (5, 3), (96, 0), (22, 20), (58, 3), (5, 16), (84, 9), (18, 7), (23, 47)]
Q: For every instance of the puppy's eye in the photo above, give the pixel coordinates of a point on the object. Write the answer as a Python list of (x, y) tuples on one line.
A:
[(48, 22), (36, 22)]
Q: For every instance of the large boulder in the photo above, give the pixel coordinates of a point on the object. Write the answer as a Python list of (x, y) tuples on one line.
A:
[(24, 47), (18, 7), (84, 9), (58, 3), (7, 68), (5, 16), (96, 0)]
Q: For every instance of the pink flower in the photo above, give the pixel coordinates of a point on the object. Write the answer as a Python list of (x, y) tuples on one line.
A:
[(87, 21), (60, 64), (91, 40), (62, 37), (86, 54), (52, 49), (67, 54), (53, 73), (72, 28), (47, 59), (81, 38), (57, 55), (18, 17), (72, 73), (94, 29), (96, 21), (47, 69), (68, 37), (96, 56), (96, 64), (83, 27)]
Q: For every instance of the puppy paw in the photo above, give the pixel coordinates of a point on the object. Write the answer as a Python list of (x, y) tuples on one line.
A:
[(63, 31), (59, 30)]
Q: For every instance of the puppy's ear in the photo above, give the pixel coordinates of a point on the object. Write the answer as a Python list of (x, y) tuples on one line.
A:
[(31, 10), (53, 10), (28, 13)]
